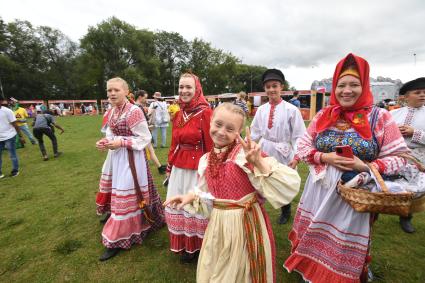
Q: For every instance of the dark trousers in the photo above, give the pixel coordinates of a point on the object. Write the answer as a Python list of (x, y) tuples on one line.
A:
[(39, 132)]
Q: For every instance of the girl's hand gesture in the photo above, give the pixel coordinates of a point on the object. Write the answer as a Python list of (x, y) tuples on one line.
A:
[(177, 202), (252, 149), (253, 153)]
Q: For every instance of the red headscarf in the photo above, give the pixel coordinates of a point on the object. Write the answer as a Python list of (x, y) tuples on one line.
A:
[(198, 100), (356, 115)]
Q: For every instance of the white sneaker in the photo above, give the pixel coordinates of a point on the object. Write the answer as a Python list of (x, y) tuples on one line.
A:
[(2, 176)]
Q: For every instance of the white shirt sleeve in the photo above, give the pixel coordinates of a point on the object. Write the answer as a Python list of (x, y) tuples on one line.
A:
[(256, 126), (10, 116)]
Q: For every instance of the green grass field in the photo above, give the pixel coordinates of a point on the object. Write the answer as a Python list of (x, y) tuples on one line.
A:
[(49, 231)]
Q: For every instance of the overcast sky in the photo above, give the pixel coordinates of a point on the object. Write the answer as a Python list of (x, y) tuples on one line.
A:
[(305, 39)]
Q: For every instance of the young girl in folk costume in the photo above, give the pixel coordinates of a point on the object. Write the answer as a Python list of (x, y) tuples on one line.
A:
[(330, 240), (126, 186), (190, 140), (234, 181)]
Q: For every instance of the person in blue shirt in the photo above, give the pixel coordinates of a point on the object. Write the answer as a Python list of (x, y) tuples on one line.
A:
[(295, 101)]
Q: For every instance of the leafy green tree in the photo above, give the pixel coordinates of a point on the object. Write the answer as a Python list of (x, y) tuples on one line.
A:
[(41, 62), (115, 48), (35, 62), (23, 65), (248, 78), (173, 53), (59, 52), (215, 67)]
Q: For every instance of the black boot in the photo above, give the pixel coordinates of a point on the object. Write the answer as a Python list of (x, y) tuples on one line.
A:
[(162, 169), (186, 257), (285, 215), (105, 219), (109, 253), (406, 224)]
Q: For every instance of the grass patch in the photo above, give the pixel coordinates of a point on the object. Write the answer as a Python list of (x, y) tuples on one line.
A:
[(24, 197), (49, 231), (14, 222), (68, 246)]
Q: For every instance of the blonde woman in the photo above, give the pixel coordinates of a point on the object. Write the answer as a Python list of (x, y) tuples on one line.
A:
[(126, 187)]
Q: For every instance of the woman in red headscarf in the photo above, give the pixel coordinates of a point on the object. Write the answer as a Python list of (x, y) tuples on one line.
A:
[(190, 140), (330, 241)]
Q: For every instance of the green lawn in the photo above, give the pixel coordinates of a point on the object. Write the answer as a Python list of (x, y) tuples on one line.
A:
[(49, 231)]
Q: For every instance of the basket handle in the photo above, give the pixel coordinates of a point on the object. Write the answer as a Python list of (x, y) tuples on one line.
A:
[(415, 161), (378, 177)]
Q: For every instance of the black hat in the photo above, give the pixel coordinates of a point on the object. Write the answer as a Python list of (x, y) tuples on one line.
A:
[(273, 75), (419, 83)]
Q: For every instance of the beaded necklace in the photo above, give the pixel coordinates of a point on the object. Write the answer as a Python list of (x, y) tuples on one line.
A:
[(215, 159)]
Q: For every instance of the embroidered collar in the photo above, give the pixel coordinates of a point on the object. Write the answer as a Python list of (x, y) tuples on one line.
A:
[(275, 103), (415, 108)]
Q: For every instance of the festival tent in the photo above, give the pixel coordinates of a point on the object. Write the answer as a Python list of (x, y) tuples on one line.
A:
[(78, 103), (25, 102), (68, 105)]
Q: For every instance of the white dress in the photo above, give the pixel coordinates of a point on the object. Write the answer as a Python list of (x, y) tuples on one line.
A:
[(117, 194)]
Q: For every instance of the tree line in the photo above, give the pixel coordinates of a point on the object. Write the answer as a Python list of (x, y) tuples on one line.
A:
[(43, 63)]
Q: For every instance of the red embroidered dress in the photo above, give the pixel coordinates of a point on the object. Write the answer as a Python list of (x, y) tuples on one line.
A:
[(117, 195), (237, 191), (330, 241), (190, 140)]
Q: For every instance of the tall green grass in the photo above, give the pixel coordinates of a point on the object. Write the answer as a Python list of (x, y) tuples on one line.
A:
[(49, 231)]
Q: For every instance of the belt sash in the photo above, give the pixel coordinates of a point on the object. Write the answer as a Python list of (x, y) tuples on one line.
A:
[(252, 229)]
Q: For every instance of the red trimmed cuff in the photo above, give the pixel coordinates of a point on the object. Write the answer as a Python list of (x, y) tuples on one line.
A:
[(380, 165), (126, 143), (417, 136), (317, 157)]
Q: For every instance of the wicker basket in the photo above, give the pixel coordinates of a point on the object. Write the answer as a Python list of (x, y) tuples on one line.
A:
[(385, 202)]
